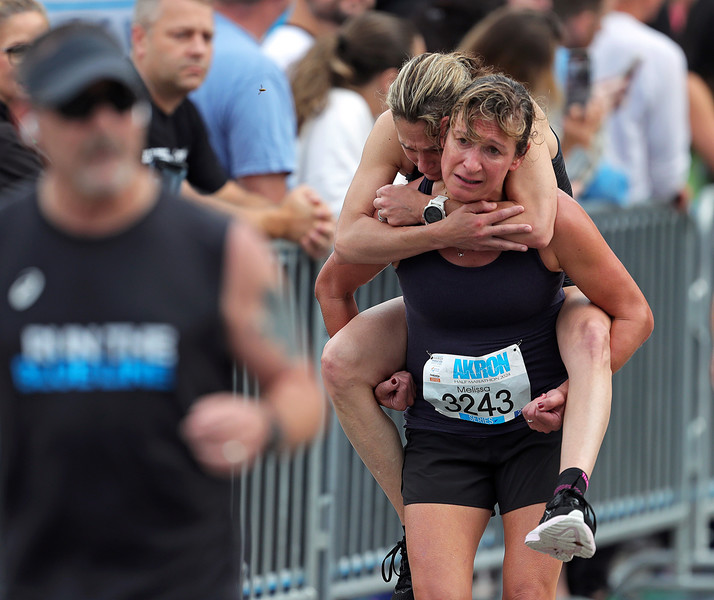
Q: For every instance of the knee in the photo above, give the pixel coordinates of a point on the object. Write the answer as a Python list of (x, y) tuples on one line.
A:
[(594, 337), (533, 589), (590, 340), (443, 582), (434, 589), (339, 364)]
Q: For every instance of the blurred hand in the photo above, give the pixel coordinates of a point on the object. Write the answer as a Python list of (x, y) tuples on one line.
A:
[(309, 221), (581, 123), (612, 91), (545, 413), (226, 433), (397, 392)]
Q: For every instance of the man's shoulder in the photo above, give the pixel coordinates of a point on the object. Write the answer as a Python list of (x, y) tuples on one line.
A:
[(246, 77), (230, 38), (16, 200), (237, 57), (624, 39), (629, 31), (181, 122)]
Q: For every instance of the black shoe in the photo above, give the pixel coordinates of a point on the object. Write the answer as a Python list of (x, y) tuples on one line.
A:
[(567, 528), (403, 589)]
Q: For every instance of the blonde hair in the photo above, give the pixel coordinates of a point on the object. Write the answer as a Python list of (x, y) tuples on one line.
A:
[(429, 85), (361, 49), (500, 99)]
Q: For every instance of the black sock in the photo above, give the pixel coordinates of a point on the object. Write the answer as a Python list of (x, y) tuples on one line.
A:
[(573, 478)]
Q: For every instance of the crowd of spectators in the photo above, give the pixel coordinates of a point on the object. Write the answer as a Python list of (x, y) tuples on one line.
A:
[(627, 85), (633, 137)]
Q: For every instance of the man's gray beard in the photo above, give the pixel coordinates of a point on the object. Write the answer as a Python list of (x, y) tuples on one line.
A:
[(97, 185), (103, 189)]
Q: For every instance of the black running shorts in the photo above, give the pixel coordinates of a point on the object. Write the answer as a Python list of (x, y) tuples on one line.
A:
[(512, 470)]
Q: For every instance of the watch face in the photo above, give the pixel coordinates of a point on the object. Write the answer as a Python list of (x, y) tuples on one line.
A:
[(432, 214)]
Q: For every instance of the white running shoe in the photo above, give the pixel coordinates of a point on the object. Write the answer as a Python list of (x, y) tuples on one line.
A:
[(567, 528)]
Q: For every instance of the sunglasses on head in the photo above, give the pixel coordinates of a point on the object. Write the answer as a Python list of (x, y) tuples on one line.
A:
[(16, 53), (112, 94)]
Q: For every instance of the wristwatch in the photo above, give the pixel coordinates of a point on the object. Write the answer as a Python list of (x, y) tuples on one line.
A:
[(434, 210)]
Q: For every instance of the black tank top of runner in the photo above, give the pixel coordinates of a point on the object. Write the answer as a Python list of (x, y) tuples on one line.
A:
[(477, 310), (104, 345)]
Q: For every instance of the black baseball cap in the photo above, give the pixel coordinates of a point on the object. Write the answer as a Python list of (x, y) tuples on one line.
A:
[(68, 59)]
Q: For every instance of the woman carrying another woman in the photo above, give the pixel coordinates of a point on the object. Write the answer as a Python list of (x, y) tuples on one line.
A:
[(498, 310), (361, 356)]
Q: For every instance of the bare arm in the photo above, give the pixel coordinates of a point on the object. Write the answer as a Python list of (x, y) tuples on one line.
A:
[(301, 217), (580, 250), (224, 430), (533, 186), (231, 192), (270, 185), (362, 240), (335, 288)]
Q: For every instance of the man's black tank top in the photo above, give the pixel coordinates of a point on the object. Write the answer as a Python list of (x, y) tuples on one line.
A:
[(104, 345)]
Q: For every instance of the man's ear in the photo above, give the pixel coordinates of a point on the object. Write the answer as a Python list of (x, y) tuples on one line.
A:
[(138, 34)]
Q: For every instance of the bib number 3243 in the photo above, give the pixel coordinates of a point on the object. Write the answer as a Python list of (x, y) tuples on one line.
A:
[(489, 389)]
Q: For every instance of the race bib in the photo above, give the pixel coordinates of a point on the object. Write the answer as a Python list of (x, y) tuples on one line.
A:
[(487, 389)]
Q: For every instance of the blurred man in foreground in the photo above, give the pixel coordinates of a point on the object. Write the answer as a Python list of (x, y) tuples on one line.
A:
[(122, 310)]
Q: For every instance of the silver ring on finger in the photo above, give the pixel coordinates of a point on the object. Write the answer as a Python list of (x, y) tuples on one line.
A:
[(529, 420), (380, 217)]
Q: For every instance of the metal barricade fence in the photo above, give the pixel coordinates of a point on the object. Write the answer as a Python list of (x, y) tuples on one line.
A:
[(317, 526)]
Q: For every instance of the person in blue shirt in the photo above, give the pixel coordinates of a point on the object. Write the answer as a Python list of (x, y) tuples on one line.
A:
[(246, 100)]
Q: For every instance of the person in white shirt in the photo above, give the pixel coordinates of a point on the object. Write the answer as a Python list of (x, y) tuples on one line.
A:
[(339, 89), (648, 133)]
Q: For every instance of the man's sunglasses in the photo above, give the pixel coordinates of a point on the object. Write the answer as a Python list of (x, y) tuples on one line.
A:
[(112, 94), (16, 53)]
